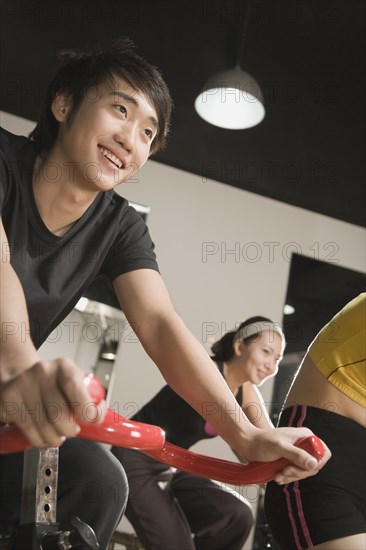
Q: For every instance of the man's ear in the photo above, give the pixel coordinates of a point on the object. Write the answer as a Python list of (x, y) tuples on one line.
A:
[(60, 107)]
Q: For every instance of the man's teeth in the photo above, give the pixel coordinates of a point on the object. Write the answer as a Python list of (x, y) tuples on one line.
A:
[(110, 156)]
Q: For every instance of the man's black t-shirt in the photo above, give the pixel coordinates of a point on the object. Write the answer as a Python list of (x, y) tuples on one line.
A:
[(110, 239)]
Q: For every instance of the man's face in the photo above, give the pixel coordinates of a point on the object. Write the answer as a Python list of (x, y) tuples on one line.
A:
[(110, 136)]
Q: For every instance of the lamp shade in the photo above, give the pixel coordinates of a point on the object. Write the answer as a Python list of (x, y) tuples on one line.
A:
[(231, 99)]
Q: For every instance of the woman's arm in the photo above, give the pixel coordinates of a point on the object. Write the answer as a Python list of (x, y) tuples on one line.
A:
[(254, 409)]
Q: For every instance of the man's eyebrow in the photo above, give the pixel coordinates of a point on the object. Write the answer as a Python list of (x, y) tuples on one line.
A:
[(127, 97), (130, 99)]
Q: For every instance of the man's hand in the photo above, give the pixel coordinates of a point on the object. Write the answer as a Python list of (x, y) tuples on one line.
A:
[(269, 445), (46, 400)]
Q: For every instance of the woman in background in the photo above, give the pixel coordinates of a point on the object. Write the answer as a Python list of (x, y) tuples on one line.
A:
[(328, 395), (171, 509)]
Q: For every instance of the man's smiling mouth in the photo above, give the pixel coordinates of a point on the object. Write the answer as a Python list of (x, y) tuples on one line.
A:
[(110, 156)]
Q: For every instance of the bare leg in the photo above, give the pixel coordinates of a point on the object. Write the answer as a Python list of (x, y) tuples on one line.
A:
[(354, 542)]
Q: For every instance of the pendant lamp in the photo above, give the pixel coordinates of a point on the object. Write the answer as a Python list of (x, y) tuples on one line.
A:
[(232, 98)]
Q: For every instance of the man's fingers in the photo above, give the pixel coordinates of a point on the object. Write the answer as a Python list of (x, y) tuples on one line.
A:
[(46, 402), (71, 383), (306, 466), (58, 415), (41, 434)]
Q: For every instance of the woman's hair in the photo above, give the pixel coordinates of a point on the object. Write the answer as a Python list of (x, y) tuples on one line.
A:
[(223, 349), (77, 72)]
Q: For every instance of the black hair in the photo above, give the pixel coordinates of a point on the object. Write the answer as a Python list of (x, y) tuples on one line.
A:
[(223, 349), (77, 72)]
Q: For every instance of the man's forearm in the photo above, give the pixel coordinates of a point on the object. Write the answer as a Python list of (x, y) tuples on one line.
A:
[(17, 349), (188, 369)]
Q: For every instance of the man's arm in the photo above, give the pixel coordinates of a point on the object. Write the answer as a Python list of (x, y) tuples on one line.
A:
[(188, 369), (17, 350), (28, 384)]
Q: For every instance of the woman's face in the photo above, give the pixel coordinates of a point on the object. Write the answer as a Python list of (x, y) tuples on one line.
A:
[(260, 357)]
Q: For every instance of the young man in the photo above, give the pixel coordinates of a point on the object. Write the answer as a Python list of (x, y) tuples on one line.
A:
[(63, 225)]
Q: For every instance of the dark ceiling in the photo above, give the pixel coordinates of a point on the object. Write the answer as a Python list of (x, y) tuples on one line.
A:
[(307, 55)]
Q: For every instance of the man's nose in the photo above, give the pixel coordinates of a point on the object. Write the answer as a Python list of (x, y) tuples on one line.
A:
[(126, 137)]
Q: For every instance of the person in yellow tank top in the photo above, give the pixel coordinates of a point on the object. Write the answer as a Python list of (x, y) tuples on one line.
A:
[(328, 395), (339, 350)]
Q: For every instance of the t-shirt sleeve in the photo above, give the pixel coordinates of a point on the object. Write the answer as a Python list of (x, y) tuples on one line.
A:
[(132, 248), (4, 171)]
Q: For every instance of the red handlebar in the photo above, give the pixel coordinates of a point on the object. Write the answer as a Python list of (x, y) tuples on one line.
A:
[(231, 472), (117, 430)]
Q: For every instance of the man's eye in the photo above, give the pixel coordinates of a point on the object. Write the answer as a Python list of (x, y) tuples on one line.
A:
[(122, 109), (149, 133)]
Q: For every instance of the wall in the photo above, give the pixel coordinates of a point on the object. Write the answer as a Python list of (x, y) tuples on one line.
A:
[(225, 255)]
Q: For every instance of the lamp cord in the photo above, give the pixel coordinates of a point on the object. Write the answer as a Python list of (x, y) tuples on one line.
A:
[(242, 37)]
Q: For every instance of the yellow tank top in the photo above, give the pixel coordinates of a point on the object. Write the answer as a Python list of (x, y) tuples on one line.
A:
[(339, 350)]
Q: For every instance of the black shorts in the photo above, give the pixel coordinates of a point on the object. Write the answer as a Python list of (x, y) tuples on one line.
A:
[(331, 504)]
